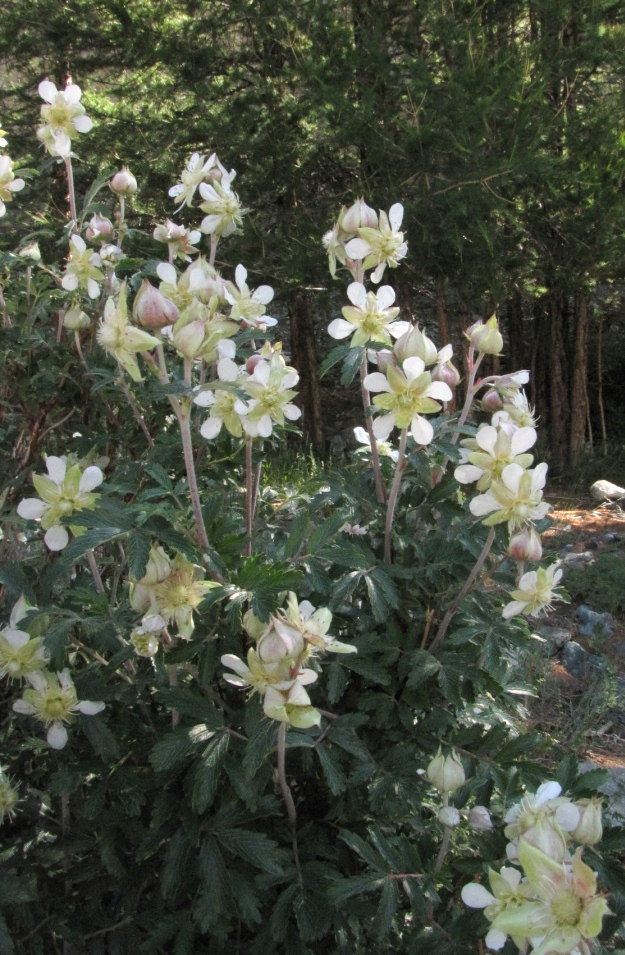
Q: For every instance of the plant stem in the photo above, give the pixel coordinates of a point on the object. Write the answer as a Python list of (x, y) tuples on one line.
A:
[(380, 491), (184, 420), (249, 494), (468, 401), (392, 498), (173, 681), (134, 406), (93, 567), (442, 630), (71, 193), (214, 241), (288, 798), (66, 824)]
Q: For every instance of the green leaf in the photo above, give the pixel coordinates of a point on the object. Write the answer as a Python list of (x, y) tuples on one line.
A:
[(191, 704), (383, 594), (333, 773), (6, 942), (178, 746), (254, 847), (98, 184), (299, 527), (389, 901), (101, 738), (138, 546), (17, 583), (160, 475), (333, 358), (159, 527), (351, 365), (326, 531), (89, 541), (518, 747), (263, 583), (207, 773), (356, 885), (263, 741), (175, 871), (367, 668), (56, 640)]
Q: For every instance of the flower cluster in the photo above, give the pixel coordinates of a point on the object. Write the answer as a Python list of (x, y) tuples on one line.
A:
[(276, 666), (169, 591), (8, 183), (362, 240), (63, 117), (552, 905), (68, 487)]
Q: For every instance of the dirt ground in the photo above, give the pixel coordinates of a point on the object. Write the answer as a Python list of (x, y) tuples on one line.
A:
[(577, 713)]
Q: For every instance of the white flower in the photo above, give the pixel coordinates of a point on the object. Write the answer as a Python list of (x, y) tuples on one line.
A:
[(64, 116), (225, 214), (19, 654), (534, 593), (226, 408), (63, 491), (517, 498), (182, 242), (8, 183), (370, 317), (53, 701), (382, 246), (121, 339), (385, 450), (270, 389), (145, 638), (495, 451), (82, 269), (249, 307), (409, 394), (195, 173)]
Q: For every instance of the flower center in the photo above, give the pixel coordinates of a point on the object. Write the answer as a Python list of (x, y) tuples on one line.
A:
[(56, 705), (566, 908)]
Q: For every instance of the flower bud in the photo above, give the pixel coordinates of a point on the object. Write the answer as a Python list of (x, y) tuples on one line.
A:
[(589, 829), (479, 819), (385, 358), (486, 338), (446, 372), (446, 772), (31, 252), (151, 309), (547, 837), (139, 598), (8, 798), (251, 363), (449, 816), (415, 343), (100, 229), (123, 183), (189, 339), (158, 567), (491, 401), (525, 545), (359, 216), (76, 319)]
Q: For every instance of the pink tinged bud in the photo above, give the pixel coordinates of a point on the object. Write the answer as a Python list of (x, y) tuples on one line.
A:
[(525, 545), (251, 363), (491, 401), (589, 830), (359, 216), (76, 319), (384, 359), (99, 229), (153, 310), (449, 816), (447, 373), (189, 339), (123, 183), (486, 337), (479, 819)]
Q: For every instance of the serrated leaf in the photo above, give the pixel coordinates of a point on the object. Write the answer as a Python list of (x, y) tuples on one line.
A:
[(89, 541), (333, 773), (351, 365), (14, 578), (357, 885), (178, 857), (262, 583), (367, 668), (387, 908), (178, 746), (56, 640), (297, 534), (191, 704), (207, 773), (160, 475), (337, 354), (326, 531), (159, 527), (138, 546), (253, 847), (100, 737), (263, 741)]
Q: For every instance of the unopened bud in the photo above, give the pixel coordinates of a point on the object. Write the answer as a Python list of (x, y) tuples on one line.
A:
[(491, 401), (446, 772), (251, 363), (449, 816), (158, 567), (525, 545), (589, 829), (189, 339), (447, 373), (385, 358), (31, 252), (415, 344), (123, 183), (100, 229), (486, 337), (359, 216), (151, 309), (479, 818), (76, 319)]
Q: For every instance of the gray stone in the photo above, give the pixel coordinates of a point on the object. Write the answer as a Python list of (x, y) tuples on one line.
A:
[(594, 624), (606, 491), (567, 548), (614, 789), (579, 662), (556, 637), (611, 538)]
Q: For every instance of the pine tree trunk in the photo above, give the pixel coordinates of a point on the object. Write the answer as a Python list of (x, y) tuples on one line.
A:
[(559, 408), (304, 357), (516, 347), (578, 382)]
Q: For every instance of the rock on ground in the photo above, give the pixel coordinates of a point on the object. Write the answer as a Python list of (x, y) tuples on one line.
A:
[(606, 491)]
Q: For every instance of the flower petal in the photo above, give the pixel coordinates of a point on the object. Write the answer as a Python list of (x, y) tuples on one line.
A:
[(357, 294), (32, 509), (82, 124), (89, 707), (476, 896), (395, 216), (47, 91), (91, 478), (57, 736), (376, 381), (56, 538), (413, 367), (211, 428)]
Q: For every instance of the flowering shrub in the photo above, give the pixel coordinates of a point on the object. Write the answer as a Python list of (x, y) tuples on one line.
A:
[(255, 678)]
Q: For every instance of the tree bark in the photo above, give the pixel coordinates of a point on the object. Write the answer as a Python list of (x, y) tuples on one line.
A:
[(578, 382), (560, 416), (304, 357), (516, 348)]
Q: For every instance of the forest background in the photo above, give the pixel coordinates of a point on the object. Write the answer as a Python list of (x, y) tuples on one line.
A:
[(499, 125)]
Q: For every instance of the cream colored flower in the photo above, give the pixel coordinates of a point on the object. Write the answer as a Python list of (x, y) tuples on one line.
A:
[(225, 214), (82, 269), (249, 307), (53, 701), (64, 117), (408, 394), (19, 654), (197, 171), (370, 317), (380, 246), (182, 242), (495, 450), (121, 339), (226, 408), (516, 498), (62, 492), (181, 593), (270, 389), (8, 183), (534, 593)]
